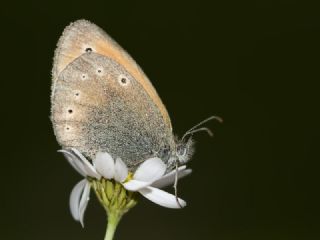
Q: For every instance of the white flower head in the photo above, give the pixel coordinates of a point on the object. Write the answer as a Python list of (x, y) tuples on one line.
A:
[(148, 178)]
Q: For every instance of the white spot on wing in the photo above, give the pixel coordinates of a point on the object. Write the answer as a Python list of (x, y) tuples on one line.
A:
[(84, 76), (123, 80), (99, 71), (88, 49), (76, 94)]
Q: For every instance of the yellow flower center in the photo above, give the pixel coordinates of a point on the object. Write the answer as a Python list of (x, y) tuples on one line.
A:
[(113, 196), (129, 177)]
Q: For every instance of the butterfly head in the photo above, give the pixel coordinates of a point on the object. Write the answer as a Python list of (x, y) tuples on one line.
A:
[(184, 150), (185, 146)]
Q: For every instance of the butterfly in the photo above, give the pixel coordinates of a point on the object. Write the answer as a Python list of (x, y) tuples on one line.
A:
[(103, 102)]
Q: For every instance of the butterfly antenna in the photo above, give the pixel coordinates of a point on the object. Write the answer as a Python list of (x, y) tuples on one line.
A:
[(194, 128), (210, 133), (176, 185)]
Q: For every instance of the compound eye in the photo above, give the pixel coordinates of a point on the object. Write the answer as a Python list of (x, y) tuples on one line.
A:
[(181, 150)]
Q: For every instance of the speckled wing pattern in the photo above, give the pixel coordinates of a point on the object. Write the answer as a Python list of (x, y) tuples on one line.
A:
[(102, 101)]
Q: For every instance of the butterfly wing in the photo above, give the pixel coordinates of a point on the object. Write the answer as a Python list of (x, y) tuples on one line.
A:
[(82, 36), (102, 101)]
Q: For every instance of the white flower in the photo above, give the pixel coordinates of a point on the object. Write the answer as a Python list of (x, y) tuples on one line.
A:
[(147, 179)]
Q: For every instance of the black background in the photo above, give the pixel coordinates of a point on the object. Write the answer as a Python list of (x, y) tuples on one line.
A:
[(256, 64)]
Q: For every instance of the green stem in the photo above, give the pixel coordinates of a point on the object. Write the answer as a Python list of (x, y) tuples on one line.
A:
[(115, 199), (113, 220)]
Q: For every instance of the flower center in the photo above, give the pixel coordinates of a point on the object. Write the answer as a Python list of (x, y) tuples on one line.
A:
[(113, 196), (129, 177)]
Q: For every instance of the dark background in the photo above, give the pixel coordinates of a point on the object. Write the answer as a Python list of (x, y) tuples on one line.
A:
[(256, 64)]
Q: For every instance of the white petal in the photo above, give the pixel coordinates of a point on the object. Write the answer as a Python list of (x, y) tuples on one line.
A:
[(75, 196), (84, 202), (87, 165), (74, 162), (150, 170), (169, 178), (135, 185), (104, 164), (162, 198), (121, 171)]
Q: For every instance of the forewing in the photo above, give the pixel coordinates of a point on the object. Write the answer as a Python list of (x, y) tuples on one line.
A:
[(83, 36)]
